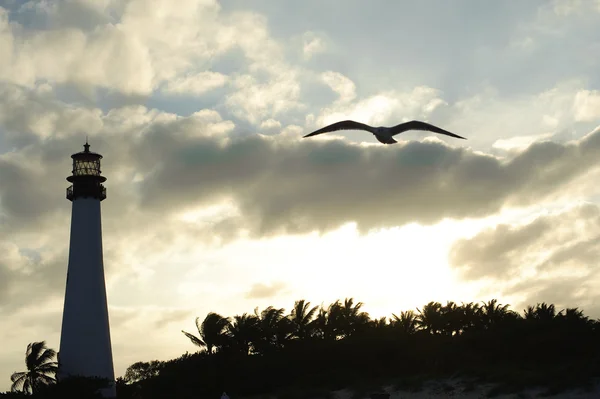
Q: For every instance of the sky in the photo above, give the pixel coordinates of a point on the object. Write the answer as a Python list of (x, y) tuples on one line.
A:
[(216, 203)]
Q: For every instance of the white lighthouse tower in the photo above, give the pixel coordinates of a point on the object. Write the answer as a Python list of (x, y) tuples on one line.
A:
[(85, 347)]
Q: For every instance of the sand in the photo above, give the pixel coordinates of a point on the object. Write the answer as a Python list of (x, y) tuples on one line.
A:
[(455, 389)]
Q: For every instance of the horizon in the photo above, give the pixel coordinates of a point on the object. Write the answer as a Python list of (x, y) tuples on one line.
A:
[(215, 202)]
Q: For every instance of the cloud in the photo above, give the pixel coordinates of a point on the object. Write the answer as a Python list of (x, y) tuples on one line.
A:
[(196, 84), (182, 163), (564, 8), (262, 291), (255, 101), (519, 143), (25, 280), (335, 182), (551, 258), (271, 126), (587, 105), (380, 108), (128, 46), (312, 44), (490, 253), (564, 240), (344, 87)]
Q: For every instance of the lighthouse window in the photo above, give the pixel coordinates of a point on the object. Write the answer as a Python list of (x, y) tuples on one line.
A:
[(87, 167)]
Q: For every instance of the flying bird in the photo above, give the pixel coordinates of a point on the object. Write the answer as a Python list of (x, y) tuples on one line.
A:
[(382, 133)]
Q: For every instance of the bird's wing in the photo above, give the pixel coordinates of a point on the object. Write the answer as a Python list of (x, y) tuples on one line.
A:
[(418, 125), (343, 125)]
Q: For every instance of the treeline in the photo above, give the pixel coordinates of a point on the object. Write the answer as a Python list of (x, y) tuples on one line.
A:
[(316, 349), (313, 350)]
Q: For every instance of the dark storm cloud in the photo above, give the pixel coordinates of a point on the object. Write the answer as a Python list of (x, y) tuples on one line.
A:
[(280, 184), (299, 186)]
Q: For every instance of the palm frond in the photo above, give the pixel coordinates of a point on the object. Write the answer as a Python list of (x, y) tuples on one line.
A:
[(48, 368), (195, 340), (34, 351), (46, 356), (15, 376), (46, 380), (18, 381), (28, 385)]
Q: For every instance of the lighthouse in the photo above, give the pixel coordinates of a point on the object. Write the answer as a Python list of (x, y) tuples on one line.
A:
[(85, 347)]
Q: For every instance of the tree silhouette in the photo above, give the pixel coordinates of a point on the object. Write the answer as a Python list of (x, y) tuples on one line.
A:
[(430, 319), (41, 369), (338, 345), (301, 319), (327, 322), (471, 317), (242, 332), (545, 312), (142, 371), (379, 324), (211, 331), (274, 328), (493, 313), (406, 323), (350, 318)]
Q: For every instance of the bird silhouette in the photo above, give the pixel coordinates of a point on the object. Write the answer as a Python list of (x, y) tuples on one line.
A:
[(382, 133)]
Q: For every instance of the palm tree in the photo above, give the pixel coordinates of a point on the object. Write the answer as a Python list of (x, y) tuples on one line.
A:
[(302, 319), (242, 332), (430, 318), (211, 331), (406, 323), (320, 323), (452, 318), (327, 322), (471, 316), (573, 314), (493, 313), (41, 369), (573, 319), (542, 312), (274, 328), (351, 318), (529, 313), (379, 324)]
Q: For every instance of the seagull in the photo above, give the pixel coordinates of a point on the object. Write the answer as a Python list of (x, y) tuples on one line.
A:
[(382, 133)]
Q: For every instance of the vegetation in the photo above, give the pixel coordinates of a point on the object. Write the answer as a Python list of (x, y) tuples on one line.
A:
[(316, 349), (41, 369), (39, 381)]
